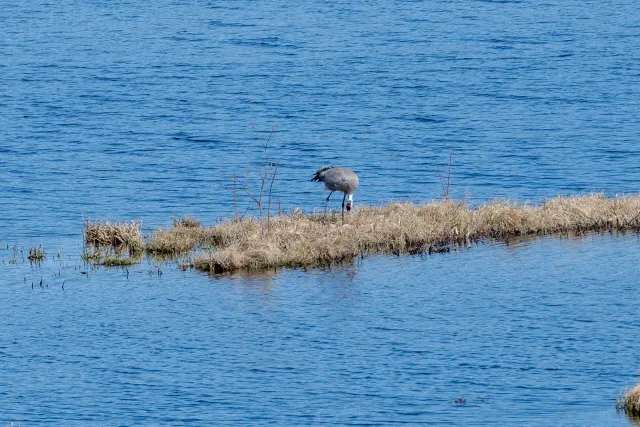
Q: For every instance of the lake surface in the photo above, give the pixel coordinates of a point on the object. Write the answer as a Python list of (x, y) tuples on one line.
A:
[(128, 110)]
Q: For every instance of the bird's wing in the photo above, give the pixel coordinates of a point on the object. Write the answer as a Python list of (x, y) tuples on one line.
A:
[(319, 176)]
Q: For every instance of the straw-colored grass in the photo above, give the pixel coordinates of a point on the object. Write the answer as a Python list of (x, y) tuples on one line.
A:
[(630, 402), (308, 240), (118, 261), (111, 257), (117, 234), (180, 239), (186, 221), (298, 240)]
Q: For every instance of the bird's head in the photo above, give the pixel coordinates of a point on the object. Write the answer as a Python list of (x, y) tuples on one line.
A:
[(349, 202)]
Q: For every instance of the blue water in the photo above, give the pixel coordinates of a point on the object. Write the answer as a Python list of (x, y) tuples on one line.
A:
[(142, 110)]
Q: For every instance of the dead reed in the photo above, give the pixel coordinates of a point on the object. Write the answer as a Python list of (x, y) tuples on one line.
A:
[(118, 261), (110, 256), (307, 240), (116, 234), (297, 240), (181, 239), (630, 402), (36, 254), (186, 221)]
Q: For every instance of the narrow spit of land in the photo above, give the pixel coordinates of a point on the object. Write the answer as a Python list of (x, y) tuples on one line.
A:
[(299, 240)]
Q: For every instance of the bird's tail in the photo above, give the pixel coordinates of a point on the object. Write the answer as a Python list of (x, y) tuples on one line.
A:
[(318, 175)]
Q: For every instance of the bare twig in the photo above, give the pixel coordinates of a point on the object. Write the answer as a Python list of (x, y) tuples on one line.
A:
[(273, 178), (234, 190), (445, 190), (235, 198), (446, 196), (251, 163), (266, 174)]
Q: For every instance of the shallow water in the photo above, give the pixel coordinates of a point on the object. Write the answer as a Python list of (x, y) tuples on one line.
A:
[(125, 110), (540, 332)]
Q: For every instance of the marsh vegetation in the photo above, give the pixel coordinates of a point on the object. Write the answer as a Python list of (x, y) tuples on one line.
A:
[(36, 254), (629, 403), (307, 240), (122, 235)]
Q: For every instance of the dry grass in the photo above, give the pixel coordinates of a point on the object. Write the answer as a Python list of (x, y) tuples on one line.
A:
[(186, 221), (180, 239), (110, 257), (630, 402), (117, 234), (306, 240), (119, 261), (298, 240)]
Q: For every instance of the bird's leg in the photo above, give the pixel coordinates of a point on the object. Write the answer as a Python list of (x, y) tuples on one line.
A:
[(345, 196), (326, 204)]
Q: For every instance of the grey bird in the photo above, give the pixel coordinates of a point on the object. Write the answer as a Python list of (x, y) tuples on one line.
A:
[(338, 179)]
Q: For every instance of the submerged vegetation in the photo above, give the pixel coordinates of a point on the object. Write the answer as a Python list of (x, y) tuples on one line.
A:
[(109, 257), (297, 240)]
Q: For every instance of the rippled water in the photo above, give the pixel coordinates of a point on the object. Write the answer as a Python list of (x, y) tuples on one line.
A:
[(386, 341), (126, 109)]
